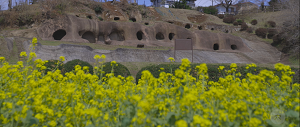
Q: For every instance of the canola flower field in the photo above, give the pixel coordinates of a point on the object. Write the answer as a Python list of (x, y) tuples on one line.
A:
[(28, 97)]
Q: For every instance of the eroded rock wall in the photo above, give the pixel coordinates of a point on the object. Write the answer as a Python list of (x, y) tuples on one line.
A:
[(133, 33)]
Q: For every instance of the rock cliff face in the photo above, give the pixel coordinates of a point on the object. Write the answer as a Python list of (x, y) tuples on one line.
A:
[(72, 28)]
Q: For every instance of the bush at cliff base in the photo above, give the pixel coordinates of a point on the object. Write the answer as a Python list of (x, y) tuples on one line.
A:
[(30, 98)]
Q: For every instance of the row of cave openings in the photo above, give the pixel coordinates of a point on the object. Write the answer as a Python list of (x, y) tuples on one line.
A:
[(115, 35), (216, 47)]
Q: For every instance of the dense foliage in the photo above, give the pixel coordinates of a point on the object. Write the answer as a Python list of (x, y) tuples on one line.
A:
[(52, 65), (271, 24), (271, 33), (118, 69), (240, 21), (229, 19), (69, 66), (181, 4), (30, 98), (235, 23), (221, 16), (261, 32), (249, 30), (210, 10), (212, 71), (244, 26), (254, 22)]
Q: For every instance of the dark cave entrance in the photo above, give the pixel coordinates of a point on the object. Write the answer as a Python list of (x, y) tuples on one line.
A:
[(233, 47), (139, 35), (171, 35), (160, 36), (132, 19), (216, 46), (59, 34), (188, 26)]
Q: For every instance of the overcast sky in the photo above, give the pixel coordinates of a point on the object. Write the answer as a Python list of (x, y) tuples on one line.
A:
[(204, 3)]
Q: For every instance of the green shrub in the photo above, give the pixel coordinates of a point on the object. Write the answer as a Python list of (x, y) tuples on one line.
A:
[(235, 23), (249, 30), (261, 32), (98, 9), (70, 66), (100, 18), (52, 64), (210, 10), (181, 5), (118, 70), (221, 16), (254, 22), (229, 19), (213, 71), (240, 21), (271, 33), (277, 39), (271, 23), (244, 26)]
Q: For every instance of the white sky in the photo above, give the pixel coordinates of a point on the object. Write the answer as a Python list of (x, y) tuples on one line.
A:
[(204, 3)]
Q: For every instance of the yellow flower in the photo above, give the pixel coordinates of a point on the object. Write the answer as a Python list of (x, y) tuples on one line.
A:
[(181, 123), (106, 116), (221, 68), (23, 54), (254, 122), (53, 123), (97, 57), (2, 58), (171, 59), (103, 56), (233, 65), (62, 58), (113, 63)]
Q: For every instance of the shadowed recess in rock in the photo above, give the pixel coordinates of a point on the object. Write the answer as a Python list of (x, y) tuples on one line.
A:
[(160, 36), (188, 26), (89, 36), (117, 35), (132, 19), (171, 35), (233, 47), (59, 34), (139, 35), (216, 46), (200, 27), (116, 18)]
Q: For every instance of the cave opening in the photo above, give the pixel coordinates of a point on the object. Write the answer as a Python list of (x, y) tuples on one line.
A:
[(216, 47), (188, 26), (89, 36), (139, 35), (59, 34), (160, 36), (171, 35), (233, 47)]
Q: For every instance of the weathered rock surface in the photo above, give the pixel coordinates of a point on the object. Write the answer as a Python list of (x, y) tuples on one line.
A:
[(266, 54), (72, 28)]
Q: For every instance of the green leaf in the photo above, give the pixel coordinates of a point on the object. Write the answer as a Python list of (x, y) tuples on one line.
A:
[(171, 118), (32, 121), (292, 113), (270, 123), (157, 121), (91, 125), (125, 122)]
